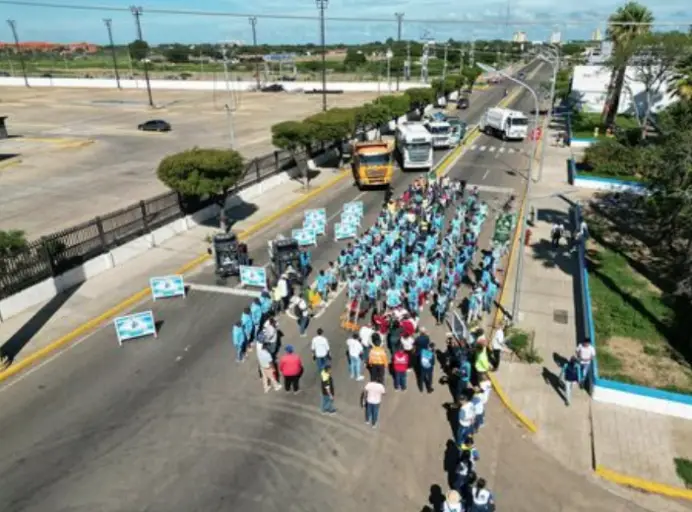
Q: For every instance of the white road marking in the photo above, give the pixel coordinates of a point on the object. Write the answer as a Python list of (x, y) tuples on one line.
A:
[(491, 149), (474, 147), (487, 171), (500, 150), (240, 292), (490, 188), (482, 148)]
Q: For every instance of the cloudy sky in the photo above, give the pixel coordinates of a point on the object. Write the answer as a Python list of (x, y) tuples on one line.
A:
[(484, 20)]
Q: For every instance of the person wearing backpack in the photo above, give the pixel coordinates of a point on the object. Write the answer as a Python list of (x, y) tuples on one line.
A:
[(569, 376), (427, 365)]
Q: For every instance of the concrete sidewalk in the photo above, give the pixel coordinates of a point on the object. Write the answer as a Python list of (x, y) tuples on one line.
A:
[(586, 434), (34, 329)]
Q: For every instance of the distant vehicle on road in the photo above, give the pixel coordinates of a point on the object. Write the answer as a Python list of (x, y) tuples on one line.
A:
[(414, 147), (155, 125), (462, 104), (507, 123), (494, 80), (522, 75)]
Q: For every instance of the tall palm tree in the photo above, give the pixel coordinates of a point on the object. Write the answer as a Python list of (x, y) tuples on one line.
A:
[(623, 38)]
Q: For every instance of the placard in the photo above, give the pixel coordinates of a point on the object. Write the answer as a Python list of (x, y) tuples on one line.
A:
[(458, 327), (166, 287), (354, 207), (253, 276), (344, 231), (304, 236), (316, 224), (316, 214), (350, 218), (134, 326)]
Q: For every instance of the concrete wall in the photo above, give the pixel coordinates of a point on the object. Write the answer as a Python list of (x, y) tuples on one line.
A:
[(49, 288), (590, 84)]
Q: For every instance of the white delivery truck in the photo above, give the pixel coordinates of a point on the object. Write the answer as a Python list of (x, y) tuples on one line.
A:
[(414, 147), (505, 123)]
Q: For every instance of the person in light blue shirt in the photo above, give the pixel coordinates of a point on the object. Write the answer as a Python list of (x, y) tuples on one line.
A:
[(412, 296), (266, 304), (305, 261), (440, 307), (489, 295), (485, 277), (393, 298), (246, 323), (256, 316), (322, 285), (371, 290), (238, 337)]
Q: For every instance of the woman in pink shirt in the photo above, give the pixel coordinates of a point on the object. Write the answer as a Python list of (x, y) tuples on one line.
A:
[(291, 367), (400, 363)]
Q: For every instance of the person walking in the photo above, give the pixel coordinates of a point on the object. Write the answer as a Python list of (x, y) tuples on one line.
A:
[(238, 337), (269, 337), (426, 363), (291, 368), (466, 418), (400, 365), (585, 354), (372, 398), (320, 350), (498, 346), (267, 371), (327, 391), (377, 360), (570, 375), (302, 314), (481, 498), (354, 348), (452, 502), (478, 403)]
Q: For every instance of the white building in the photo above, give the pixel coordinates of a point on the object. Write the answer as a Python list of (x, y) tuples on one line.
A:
[(555, 37), (596, 35), (590, 86), (519, 37)]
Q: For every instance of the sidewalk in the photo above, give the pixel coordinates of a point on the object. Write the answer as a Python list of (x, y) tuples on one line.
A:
[(38, 327), (586, 434)]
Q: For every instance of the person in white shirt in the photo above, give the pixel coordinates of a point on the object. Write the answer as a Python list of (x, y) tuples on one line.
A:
[(486, 387), (498, 346), (320, 350), (452, 502), (355, 355), (466, 419), (266, 365), (372, 398), (365, 335), (585, 354), (481, 498), (282, 286)]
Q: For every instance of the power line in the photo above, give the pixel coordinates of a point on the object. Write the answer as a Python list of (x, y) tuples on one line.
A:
[(439, 21)]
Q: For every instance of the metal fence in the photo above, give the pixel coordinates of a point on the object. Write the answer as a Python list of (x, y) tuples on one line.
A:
[(59, 252)]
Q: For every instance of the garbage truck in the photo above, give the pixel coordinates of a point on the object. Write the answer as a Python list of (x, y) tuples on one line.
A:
[(505, 123)]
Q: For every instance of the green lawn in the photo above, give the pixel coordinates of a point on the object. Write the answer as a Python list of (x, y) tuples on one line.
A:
[(586, 172), (629, 320), (583, 124), (683, 467)]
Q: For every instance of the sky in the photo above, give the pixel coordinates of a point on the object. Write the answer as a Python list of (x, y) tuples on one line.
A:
[(484, 20)]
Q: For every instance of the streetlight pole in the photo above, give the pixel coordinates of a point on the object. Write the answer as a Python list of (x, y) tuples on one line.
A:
[(13, 27), (399, 21), (444, 65), (390, 54), (322, 6), (109, 22), (230, 105), (555, 66), (529, 181), (137, 13), (253, 23)]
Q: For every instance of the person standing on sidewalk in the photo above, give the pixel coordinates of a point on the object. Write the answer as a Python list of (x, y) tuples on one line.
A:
[(426, 363), (320, 350), (267, 370), (452, 502), (291, 367), (400, 365), (498, 346), (327, 391), (466, 419), (355, 357), (377, 360), (570, 375), (585, 354), (372, 398)]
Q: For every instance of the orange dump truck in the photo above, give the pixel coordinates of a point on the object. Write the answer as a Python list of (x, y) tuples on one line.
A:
[(373, 163)]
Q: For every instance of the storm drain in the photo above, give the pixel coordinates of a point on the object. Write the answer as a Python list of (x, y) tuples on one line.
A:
[(560, 316)]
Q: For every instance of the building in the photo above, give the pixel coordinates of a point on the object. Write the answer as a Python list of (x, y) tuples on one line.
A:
[(596, 35), (555, 37), (600, 54), (45, 47), (519, 37), (590, 86)]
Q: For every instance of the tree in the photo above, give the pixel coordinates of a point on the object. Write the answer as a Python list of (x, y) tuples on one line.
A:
[(683, 72), (138, 49), (334, 125), (397, 104), (12, 241), (419, 97), (177, 53), (372, 115), (293, 136), (471, 74), (624, 47), (202, 172), (354, 58)]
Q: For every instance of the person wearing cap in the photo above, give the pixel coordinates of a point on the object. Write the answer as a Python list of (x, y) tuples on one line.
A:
[(291, 367), (452, 502)]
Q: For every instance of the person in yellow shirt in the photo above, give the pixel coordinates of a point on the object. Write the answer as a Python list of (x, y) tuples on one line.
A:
[(482, 364), (377, 360)]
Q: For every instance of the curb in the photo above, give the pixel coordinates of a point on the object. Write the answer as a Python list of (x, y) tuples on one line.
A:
[(643, 485), (10, 162), (101, 319)]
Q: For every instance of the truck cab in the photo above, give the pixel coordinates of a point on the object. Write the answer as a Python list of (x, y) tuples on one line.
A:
[(373, 163), (440, 131), (458, 130), (504, 122)]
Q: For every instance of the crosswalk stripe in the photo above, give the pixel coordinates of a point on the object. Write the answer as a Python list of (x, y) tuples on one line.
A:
[(491, 148), (483, 148), (502, 150), (474, 147)]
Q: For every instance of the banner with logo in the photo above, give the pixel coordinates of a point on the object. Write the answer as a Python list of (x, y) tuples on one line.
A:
[(166, 287), (344, 231), (355, 207), (318, 225), (304, 236), (253, 276), (134, 326)]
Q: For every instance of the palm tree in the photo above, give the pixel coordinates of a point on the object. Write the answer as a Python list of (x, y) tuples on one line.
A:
[(683, 76), (623, 38)]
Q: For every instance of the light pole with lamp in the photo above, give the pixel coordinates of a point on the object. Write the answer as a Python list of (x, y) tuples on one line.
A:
[(529, 180), (322, 6), (230, 106), (389, 56)]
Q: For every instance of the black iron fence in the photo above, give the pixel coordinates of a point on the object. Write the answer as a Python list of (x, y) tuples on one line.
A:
[(59, 252)]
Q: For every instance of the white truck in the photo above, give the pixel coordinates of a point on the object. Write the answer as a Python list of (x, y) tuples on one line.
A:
[(441, 132), (414, 147), (505, 123)]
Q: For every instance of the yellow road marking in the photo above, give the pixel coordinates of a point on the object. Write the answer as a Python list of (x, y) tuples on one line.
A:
[(643, 485), (10, 162)]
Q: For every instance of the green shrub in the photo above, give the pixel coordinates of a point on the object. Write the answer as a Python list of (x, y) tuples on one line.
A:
[(683, 467)]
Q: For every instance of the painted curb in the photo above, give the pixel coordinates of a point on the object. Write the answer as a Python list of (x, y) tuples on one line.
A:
[(10, 162), (643, 485), (101, 319)]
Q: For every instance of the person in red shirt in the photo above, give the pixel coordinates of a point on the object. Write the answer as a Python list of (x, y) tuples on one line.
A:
[(291, 367), (400, 363)]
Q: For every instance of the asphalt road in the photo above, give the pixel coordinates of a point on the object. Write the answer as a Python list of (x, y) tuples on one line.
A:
[(173, 424)]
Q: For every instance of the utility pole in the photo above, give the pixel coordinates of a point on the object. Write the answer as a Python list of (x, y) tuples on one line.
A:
[(444, 65), (407, 64), (13, 27), (253, 24), (399, 21), (322, 6), (109, 27), (461, 61), (137, 13), (472, 60), (230, 106)]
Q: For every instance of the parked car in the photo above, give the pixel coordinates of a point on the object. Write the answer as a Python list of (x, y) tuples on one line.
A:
[(4, 73), (155, 125), (463, 103)]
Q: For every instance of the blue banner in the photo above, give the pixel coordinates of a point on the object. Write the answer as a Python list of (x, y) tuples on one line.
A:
[(354, 207), (344, 231), (304, 236), (316, 224), (316, 214), (253, 276), (350, 218), (166, 287), (135, 326)]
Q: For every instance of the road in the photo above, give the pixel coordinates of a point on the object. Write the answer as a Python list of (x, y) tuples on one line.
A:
[(174, 424)]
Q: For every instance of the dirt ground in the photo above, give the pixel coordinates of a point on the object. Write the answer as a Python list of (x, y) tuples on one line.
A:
[(79, 150)]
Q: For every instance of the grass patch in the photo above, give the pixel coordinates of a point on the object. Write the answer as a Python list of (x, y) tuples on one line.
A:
[(630, 322), (583, 124), (521, 343), (683, 467)]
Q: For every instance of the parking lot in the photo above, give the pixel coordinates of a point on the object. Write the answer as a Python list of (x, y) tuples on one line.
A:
[(79, 153)]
